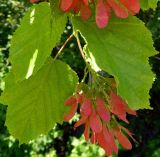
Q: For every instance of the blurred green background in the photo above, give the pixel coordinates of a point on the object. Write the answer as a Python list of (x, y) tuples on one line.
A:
[(63, 140)]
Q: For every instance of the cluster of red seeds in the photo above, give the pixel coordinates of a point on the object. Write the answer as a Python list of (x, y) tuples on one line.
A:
[(103, 8), (97, 117)]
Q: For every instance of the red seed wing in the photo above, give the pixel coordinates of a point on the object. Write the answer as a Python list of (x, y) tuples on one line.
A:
[(123, 140), (133, 6), (70, 101), (85, 12), (117, 106), (110, 139), (119, 11), (95, 123), (93, 138), (102, 14), (71, 113), (66, 5), (103, 144), (86, 107), (80, 98), (86, 130), (129, 133), (102, 110), (76, 6), (131, 111)]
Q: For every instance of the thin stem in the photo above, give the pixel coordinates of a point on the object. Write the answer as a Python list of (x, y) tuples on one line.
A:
[(156, 57), (84, 58), (80, 47), (85, 74), (63, 46)]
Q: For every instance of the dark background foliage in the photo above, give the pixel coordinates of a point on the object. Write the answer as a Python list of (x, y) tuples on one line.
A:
[(63, 141)]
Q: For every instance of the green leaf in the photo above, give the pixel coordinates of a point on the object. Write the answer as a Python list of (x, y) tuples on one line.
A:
[(146, 4), (36, 104), (122, 49), (33, 41)]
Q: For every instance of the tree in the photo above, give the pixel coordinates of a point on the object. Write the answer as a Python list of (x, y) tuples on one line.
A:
[(49, 76)]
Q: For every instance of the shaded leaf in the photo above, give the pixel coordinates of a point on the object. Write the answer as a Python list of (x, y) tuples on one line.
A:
[(36, 104)]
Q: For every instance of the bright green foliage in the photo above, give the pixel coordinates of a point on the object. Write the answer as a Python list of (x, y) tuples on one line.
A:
[(122, 49), (32, 43), (83, 149), (146, 4), (36, 104)]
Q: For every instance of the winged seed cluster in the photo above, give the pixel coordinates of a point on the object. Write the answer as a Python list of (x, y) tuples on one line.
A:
[(103, 9), (100, 119)]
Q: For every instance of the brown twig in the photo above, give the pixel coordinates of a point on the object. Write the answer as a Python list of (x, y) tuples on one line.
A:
[(63, 46), (80, 47)]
